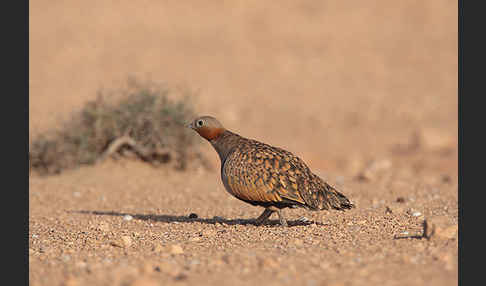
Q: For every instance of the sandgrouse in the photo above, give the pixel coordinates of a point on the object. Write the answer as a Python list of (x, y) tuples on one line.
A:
[(267, 176)]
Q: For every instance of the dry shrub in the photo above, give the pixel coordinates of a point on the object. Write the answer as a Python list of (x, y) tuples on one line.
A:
[(144, 123)]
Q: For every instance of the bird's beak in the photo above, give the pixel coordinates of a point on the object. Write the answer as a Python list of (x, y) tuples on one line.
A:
[(190, 126)]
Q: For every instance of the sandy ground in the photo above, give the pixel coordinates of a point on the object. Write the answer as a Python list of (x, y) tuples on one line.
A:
[(365, 93)]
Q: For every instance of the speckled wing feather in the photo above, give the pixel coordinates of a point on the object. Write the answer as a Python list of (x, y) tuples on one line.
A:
[(264, 175), (261, 175)]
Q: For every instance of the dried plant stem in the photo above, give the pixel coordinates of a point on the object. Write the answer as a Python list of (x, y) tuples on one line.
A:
[(145, 154)]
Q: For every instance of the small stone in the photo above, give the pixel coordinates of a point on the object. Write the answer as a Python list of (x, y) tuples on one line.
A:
[(400, 200), (176, 249), (416, 213), (193, 215), (127, 217)]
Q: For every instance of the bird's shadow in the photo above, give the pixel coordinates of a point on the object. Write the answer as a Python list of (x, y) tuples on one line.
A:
[(187, 219)]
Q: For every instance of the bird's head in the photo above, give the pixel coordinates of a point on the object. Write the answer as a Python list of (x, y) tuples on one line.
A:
[(207, 126)]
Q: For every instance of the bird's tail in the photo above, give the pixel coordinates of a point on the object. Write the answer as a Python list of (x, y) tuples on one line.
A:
[(329, 197)]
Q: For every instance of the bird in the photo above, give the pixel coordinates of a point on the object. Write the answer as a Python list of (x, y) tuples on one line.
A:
[(267, 176)]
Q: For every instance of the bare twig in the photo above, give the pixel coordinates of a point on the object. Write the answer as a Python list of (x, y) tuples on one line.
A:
[(144, 153)]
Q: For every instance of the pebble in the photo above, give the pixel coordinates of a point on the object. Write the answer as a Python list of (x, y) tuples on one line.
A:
[(416, 213), (127, 217), (193, 215)]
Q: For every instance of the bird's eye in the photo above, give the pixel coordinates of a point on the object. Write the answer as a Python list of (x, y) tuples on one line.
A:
[(199, 123)]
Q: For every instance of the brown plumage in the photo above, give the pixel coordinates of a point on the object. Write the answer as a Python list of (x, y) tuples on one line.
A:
[(267, 176)]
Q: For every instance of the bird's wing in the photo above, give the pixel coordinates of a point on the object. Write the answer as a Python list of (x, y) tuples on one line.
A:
[(262, 173)]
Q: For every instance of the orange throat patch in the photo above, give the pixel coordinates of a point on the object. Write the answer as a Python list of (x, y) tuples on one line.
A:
[(210, 133)]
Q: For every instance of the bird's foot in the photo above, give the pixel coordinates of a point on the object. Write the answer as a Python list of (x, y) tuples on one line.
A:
[(263, 217)]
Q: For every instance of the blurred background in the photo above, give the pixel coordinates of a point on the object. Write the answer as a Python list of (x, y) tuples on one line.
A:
[(336, 82)]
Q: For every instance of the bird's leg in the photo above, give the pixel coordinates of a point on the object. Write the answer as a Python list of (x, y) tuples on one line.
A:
[(263, 217), (283, 221)]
